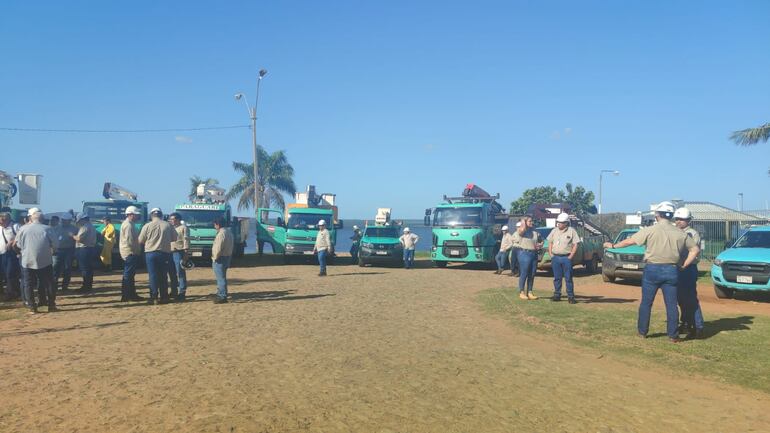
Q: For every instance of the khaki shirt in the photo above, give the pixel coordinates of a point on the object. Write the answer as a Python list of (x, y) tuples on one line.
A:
[(182, 242), (223, 244), (129, 240), (87, 236), (409, 241), (664, 243), (561, 242), (689, 231), (507, 242), (323, 241), (157, 235), (527, 241)]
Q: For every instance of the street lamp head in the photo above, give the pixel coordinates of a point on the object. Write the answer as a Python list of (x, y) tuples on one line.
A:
[(238, 96), (615, 173), (262, 73)]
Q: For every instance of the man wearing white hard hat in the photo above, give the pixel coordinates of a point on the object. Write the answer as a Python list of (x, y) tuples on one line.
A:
[(506, 243), (562, 246), (691, 318), (323, 247), (157, 236), (131, 253), (665, 247), (356, 238), (85, 250), (37, 242), (409, 242)]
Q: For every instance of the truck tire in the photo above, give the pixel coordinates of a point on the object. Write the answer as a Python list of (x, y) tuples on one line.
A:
[(608, 278), (723, 292), (361, 263), (592, 266), (440, 264)]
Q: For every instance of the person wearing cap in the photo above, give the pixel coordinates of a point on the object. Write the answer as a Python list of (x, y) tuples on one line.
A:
[(514, 256), (665, 247), (176, 272), (65, 252), (562, 246), (691, 316), (108, 238), (506, 243), (85, 250), (409, 243), (529, 242), (131, 253), (323, 247), (37, 242), (9, 259), (157, 237), (356, 238), (221, 254)]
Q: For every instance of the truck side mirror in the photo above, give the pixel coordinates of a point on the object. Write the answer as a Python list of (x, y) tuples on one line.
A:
[(339, 224), (426, 220)]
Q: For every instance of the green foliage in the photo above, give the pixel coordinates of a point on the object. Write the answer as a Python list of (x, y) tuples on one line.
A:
[(540, 194), (197, 180), (751, 136), (580, 199), (276, 177)]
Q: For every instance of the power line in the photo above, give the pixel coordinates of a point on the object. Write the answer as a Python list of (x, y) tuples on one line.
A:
[(120, 131)]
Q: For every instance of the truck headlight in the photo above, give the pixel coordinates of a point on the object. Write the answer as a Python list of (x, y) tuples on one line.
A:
[(289, 246), (718, 262), (609, 255), (367, 245)]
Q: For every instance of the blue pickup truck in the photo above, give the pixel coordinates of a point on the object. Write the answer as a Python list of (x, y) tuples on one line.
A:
[(745, 266)]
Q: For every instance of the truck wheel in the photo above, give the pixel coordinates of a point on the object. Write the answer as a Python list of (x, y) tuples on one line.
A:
[(592, 266), (361, 263), (440, 264), (723, 292), (608, 278)]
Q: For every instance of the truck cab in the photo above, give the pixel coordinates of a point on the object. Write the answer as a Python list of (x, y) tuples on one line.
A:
[(199, 219), (626, 263), (745, 266), (466, 232), (116, 211), (380, 242)]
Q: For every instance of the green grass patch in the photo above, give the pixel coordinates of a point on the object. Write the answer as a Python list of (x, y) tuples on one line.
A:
[(736, 348)]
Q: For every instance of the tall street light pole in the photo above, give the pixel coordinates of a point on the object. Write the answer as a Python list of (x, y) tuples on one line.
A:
[(601, 174), (253, 117)]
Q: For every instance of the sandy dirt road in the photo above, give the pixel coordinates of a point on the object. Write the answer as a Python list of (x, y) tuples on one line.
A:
[(363, 350)]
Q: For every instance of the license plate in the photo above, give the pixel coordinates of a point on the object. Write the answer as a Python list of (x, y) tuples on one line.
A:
[(454, 252), (382, 253), (746, 279), (630, 266), (197, 254), (308, 253)]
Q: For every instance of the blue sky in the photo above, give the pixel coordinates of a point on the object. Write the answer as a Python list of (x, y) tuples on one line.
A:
[(392, 103)]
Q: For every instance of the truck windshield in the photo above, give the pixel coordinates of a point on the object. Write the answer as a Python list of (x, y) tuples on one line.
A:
[(306, 221), (459, 216), (115, 211), (200, 218), (381, 232), (754, 239), (623, 236)]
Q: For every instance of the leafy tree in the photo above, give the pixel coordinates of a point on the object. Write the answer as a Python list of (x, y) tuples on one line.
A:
[(195, 181), (577, 197), (540, 194), (276, 177), (581, 201)]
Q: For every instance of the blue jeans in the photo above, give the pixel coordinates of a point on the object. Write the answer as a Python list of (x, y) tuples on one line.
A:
[(408, 258), (12, 272), (354, 252), (527, 268), (322, 254), (158, 273), (62, 266), (177, 273), (220, 272), (664, 277), (562, 268), (128, 286), (85, 256), (687, 297), (514, 259), (501, 258)]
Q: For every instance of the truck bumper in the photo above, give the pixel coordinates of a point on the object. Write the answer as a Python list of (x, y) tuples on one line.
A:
[(618, 269), (299, 249), (718, 278)]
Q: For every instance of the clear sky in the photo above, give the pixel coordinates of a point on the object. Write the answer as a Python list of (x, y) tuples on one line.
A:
[(392, 104)]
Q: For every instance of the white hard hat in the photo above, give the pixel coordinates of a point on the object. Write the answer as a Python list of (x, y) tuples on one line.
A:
[(562, 218), (406, 230), (156, 210), (322, 223), (505, 228), (355, 227), (665, 207), (683, 213), (133, 210), (33, 211)]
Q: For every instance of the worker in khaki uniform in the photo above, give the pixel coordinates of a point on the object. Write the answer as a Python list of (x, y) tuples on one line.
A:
[(221, 252), (691, 316), (506, 243), (176, 271), (85, 250), (409, 243), (562, 246), (529, 242), (665, 246), (323, 247), (131, 253), (157, 236)]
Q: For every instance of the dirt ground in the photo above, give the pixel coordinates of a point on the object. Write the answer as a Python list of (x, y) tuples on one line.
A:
[(362, 350)]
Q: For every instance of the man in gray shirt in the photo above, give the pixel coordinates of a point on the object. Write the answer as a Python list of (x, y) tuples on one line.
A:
[(65, 252), (37, 243)]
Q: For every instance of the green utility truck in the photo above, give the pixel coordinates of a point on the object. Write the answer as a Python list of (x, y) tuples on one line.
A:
[(380, 242), (626, 263), (589, 250), (208, 205), (116, 200), (292, 233), (466, 229)]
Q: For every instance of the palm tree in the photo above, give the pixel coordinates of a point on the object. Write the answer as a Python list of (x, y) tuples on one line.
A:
[(751, 136), (197, 180), (276, 177)]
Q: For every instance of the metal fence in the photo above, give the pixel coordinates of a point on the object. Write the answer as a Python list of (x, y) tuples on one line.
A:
[(719, 230)]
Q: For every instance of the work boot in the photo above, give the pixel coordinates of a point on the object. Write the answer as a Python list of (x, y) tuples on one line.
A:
[(555, 298), (523, 296), (498, 272), (135, 298), (219, 300), (151, 301), (531, 296), (572, 301)]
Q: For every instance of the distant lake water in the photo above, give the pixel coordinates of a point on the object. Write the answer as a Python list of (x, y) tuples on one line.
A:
[(344, 235)]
